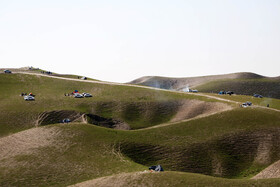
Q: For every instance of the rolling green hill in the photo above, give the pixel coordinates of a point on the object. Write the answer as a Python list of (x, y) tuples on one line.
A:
[(185, 133), (139, 107), (267, 87)]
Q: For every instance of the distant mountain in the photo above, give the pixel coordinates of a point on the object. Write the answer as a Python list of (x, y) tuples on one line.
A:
[(244, 83)]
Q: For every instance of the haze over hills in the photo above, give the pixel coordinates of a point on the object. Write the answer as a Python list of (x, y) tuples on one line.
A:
[(114, 136), (241, 83)]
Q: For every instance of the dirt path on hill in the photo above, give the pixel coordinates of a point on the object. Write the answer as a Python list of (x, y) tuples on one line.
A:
[(217, 98)]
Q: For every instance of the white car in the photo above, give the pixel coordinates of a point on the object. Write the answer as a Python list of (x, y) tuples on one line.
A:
[(77, 95), (29, 98), (87, 95)]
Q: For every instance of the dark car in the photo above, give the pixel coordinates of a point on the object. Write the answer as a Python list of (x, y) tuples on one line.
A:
[(66, 120), (258, 95), (249, 103), (7, 71), (156, 168), (229, 92)]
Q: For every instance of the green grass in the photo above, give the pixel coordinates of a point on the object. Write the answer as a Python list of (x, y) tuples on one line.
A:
[(200, 139), (77, 155), (83, 152), (264, 86), (88, 148)]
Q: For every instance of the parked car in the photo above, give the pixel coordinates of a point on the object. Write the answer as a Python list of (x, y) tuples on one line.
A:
[(29, 98), (87, 95), (78, 95), (246, 104), (229, 92), (249, 103), (66, 120), (7, 71), (194, 91), (222, 92), (258, 95)]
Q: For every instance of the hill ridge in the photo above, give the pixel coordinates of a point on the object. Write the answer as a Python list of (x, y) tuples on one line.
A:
[(250, 83)]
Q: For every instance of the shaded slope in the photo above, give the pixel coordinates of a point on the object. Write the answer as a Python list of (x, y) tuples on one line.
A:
[(230, 156), (52, 117), (106, 122), (219, 145), (56, 116)]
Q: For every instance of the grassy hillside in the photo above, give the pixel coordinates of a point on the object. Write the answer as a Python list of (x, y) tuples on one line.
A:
[(138, 107), (264, 86), (180, 83), (235, 144), (79, 152), (240, 83), (65, 156), (273, 103)]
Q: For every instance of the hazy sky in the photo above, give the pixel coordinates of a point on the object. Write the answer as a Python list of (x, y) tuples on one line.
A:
[(118, 40)]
